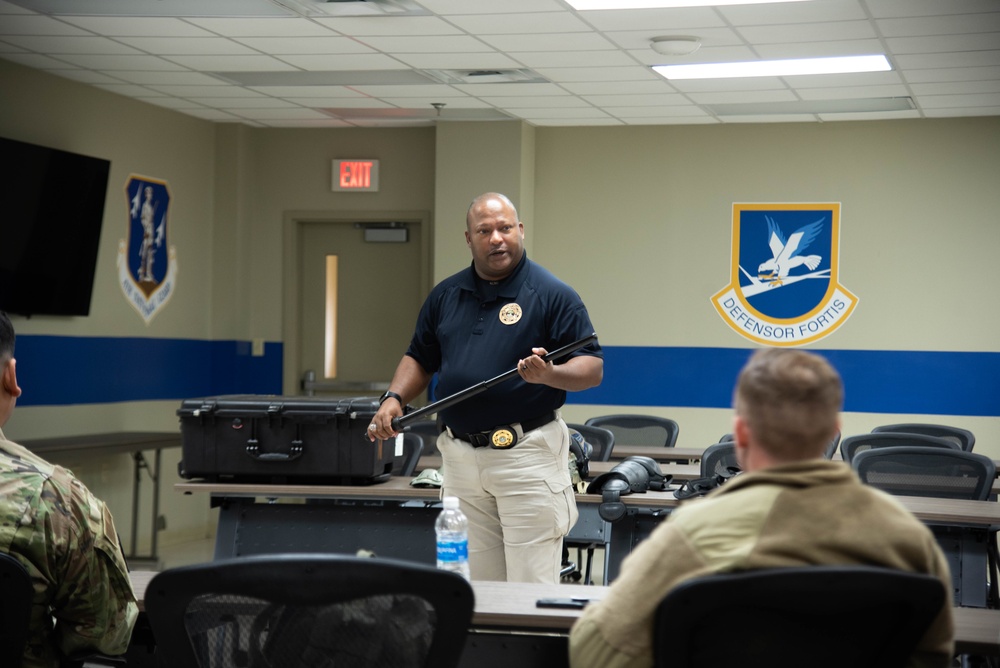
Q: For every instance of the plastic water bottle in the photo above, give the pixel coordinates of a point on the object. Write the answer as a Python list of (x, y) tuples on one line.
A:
[(452, 529)]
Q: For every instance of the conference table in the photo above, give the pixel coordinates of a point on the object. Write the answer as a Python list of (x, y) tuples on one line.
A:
[(392, 518), (509, 629)]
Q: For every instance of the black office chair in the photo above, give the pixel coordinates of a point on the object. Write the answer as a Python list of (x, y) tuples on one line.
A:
[(589, 532), (639, 429), (406, 463), (816, 616), (831, 448), (965, 438), (719, 459), (852, 445), (15, 609), (428, 430), (308, 610), (16, 600), (920, 471), (601, 439), (951, 474)]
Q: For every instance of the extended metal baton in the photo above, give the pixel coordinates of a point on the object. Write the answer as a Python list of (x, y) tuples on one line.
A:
[(399, 422)]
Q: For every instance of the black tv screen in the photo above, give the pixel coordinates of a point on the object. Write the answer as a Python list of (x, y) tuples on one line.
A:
[(51, 210)]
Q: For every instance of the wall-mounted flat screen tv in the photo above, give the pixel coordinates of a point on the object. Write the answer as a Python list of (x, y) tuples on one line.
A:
[(51, 210)]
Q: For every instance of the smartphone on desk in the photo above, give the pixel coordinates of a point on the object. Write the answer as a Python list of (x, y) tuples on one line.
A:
[(577, 603)]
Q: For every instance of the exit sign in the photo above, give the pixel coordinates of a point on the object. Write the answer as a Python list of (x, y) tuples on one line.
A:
[(360, 175)]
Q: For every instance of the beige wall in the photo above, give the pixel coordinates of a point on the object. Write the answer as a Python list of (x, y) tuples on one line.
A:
[(637, 219)]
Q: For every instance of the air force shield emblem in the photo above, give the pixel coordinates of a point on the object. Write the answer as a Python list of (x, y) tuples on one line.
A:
[(147, 267), (784, 288)]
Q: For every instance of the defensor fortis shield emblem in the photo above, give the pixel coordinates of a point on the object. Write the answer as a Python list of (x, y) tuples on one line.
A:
[(784, 288)]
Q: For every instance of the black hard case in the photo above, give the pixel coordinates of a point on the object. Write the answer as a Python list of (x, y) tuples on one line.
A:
[(282, 439)]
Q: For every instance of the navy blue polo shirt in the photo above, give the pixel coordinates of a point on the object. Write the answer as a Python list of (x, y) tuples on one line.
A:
[(470, 330)]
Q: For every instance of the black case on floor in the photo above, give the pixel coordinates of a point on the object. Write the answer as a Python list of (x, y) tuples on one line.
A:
[(282, 439)]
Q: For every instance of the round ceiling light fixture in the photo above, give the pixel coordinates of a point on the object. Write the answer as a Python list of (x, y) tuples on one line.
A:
[(675, 45)]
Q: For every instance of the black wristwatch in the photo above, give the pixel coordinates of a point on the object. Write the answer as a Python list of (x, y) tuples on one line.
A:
[(389, 393)]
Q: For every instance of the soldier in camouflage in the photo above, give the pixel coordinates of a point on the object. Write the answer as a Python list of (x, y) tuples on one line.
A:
[(65, 537)]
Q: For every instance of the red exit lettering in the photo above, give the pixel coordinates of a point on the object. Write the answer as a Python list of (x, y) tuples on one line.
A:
[(355, 174)]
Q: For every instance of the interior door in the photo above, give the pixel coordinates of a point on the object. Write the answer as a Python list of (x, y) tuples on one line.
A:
[(378, 292)]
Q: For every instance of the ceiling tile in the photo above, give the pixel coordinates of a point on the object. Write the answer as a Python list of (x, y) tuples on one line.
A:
[(538, 22), (944, 43), (178, 46), (364, 26), (437, 44), (304, 45), (269, 27), (15, 24), (113, 63), (342, 61), (65, 44), (945, 55), (809, 32), (137, 26), (957, 24), (257, 63)]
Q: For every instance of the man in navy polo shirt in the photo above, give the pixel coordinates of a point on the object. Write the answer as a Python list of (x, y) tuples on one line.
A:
[(505, 450)]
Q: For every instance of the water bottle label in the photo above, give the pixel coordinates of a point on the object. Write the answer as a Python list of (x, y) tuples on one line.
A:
[(452, 551)]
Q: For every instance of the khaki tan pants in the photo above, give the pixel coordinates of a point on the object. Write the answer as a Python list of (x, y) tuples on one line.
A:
[(520, 503)]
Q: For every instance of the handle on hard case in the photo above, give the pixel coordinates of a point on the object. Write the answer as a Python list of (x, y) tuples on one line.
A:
[(399, 422), (295, 451)]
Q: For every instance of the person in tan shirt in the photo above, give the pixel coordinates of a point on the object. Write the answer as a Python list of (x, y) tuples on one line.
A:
[(789, 507)]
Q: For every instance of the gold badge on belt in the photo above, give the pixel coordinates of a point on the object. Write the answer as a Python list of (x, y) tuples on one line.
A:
[(510, 314), (502, 439)]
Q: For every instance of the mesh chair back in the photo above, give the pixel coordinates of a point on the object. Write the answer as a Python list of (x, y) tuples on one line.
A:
[(309, 610), (639, 429), (816, 616), (852, 445), (15, 609), (428, 430), (831, 448), (922, 471), (718, 459), (965, 438), (603, 440), (406, 463)]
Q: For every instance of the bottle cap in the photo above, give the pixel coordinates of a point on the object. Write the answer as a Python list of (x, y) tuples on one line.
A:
[(450, 502)]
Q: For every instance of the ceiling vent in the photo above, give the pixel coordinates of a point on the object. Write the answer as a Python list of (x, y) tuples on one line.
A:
[(485, 76)]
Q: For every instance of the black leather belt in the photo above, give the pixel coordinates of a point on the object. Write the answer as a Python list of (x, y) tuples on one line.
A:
[(505, 436)]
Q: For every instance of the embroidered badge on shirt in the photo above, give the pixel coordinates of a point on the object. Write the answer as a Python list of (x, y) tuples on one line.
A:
[(510, 314)]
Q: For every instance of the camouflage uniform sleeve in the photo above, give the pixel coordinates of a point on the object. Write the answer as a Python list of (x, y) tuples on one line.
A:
[(93, 605)]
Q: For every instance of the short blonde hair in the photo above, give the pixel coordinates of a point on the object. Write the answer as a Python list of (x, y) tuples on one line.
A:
[(791, 401)]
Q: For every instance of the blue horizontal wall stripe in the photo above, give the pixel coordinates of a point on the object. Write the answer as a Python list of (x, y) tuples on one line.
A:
[(60, 370), (939, 383)]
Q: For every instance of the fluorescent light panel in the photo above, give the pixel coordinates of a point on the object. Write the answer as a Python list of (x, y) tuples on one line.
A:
[(583, 5), (776, 68)]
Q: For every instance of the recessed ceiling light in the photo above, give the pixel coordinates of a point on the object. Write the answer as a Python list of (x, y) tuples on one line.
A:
[(659, 4), (776, 68)]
